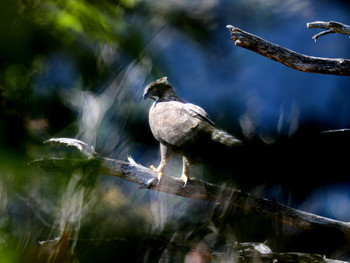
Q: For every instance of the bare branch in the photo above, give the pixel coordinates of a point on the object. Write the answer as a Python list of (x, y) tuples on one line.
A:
[(228, 199), (332, 26), (337, 131), (69, 142), (292, 59), (250, 252)]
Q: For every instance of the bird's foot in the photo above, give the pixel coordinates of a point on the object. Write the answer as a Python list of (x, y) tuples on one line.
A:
[(184, 178), (160, 174)]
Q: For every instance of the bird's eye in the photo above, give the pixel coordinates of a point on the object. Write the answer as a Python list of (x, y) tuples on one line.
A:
[(154, 89)]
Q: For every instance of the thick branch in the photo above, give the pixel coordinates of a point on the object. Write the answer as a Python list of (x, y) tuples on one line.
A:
[(332, 26), (228, 199), (292, 59)]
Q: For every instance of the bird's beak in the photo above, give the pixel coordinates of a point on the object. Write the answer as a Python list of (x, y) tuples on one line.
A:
[(145, 96)]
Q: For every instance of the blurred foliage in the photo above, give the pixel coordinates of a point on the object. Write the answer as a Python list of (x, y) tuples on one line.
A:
[(77, 69)]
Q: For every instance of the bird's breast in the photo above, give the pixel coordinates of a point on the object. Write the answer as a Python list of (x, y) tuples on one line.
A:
[(172, 123)]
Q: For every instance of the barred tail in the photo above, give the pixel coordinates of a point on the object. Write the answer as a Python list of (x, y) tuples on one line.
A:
[(225, 138)]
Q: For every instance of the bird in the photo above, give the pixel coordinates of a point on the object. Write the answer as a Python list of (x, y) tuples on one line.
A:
[(181, 127)]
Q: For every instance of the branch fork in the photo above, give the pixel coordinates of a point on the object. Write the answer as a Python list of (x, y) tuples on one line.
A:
[(331, 26)]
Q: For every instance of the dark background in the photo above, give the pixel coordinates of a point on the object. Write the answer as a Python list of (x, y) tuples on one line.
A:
[(78, 68)]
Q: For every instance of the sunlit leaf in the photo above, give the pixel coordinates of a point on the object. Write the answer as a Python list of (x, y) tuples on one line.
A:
[(69, 21)]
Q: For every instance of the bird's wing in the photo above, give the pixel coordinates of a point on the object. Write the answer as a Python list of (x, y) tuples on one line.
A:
[(198, 112), (216, 134), (176, 123)]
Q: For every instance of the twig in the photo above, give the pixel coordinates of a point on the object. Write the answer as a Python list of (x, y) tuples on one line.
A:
[(228, 199), (292, 59), (332, 26), (336, 131)]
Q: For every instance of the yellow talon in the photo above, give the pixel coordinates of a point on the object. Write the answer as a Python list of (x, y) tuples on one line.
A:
[(184, 178), (160, 174)]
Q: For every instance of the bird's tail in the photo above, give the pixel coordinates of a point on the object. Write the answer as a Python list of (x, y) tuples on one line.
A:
[(225, 138)]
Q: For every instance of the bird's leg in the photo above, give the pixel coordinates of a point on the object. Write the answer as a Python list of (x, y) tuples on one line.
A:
[(165, 154), (185, 170)]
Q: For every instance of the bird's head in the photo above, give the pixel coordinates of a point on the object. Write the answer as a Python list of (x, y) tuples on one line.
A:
[(158, 89)]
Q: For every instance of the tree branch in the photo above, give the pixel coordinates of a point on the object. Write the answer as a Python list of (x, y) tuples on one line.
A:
[(228, 199), (250, 252), (332, 26), (292, 59)]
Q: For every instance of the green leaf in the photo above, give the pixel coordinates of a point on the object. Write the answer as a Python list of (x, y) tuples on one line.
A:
[(69, 21)]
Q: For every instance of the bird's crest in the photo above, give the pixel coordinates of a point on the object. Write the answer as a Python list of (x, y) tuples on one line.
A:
[(163, 80)]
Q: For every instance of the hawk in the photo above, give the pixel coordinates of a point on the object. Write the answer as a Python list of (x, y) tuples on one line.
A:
[(181, 127)]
